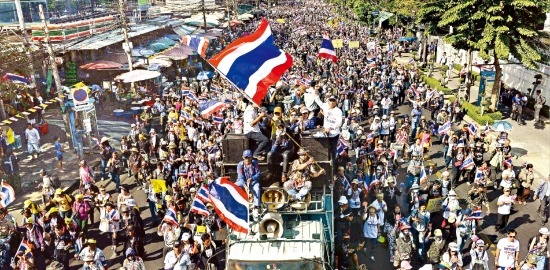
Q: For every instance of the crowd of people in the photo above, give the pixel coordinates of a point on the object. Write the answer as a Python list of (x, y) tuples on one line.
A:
[(171, 152)]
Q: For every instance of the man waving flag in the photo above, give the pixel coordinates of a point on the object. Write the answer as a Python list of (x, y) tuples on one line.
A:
[(253, 63), (327, 50)]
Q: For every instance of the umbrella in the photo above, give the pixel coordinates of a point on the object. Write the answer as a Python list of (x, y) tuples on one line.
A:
[(166, 41), (101, 64), (501, 126), (173, 37), (139, 52), (205, 75), (160, 62), (178, 53), (157, 46), (138, 75)]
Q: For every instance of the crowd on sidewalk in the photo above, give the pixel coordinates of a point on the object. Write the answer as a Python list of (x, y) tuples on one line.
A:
[(375, 206)]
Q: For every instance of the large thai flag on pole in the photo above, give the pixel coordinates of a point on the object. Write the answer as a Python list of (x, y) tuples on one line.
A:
[(208, 108), (327, 50), (253, 63), (198, 207), (444, 129), (198, 44), (231, 203), (203, 194), (7, 195)]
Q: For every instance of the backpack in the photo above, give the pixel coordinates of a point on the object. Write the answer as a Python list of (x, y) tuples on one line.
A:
[(478, 265)]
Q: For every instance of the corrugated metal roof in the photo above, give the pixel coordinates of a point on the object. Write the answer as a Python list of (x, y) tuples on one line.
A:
[(303, 245), (111, 37)]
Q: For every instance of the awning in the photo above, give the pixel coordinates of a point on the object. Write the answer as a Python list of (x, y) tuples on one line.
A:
[(110, 38), (101, 64), (384, 16), (184, 30)]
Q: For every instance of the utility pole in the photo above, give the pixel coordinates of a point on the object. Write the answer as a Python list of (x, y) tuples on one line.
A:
[(204, 15), (127, 47), (51, 53), (25, 40)]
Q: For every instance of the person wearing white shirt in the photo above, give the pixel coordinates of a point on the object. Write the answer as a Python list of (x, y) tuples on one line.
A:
[(332, 121), (507, 254), (504, 204), (251, 130), (33, 140), (386, 105), (177, 259), (312, 100)]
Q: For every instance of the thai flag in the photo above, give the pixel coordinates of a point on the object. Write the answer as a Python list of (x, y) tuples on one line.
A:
[(299, 29), (343, 145), (192, 97), (444, 129), (423, 175), (185, 92), (475, 215), (478, 176), (411, 60), (25, 248), (198, 44), (15, 77), (416, 92), (231, 203), (370, 137), (507, 163), (217, 119), (171, 216), (487, 129), (198, 207), (215, 88), (210, 107), (203, 194), (185, 115), (371, 59), (304, 81), (468, 163), (7, 195), (253, 63), (472, 129), (298, 18), (327, 50)]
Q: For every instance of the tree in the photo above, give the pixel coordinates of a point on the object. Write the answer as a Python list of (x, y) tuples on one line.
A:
[(495, 28)]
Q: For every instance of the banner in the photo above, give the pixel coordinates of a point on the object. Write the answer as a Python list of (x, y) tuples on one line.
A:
[(435, 204), (338, 43), (159, 185), (353, 44), (281, 20)]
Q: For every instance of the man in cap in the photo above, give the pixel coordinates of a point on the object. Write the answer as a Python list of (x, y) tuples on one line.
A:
[(248, 176), (332, 122), (342, 218), (346, 254), (306, 121), (282, 147), (302, 171), (91, 253), (63, 203), (134, 132), (177, 258), (480, 260), (252, 130), (437, 246), (356, 196)]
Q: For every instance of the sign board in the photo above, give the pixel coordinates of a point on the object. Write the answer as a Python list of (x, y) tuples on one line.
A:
[(375, 13), (338, 43), (281, 20), (83, 107), (80, 96), (435, 204), (353, 44), (87, 125)]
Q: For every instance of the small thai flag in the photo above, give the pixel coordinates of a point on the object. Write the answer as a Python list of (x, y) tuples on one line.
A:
[(507, 163), (304, 82), (217, 119), (231, 203), (210, 107), (478, 176), (343, 145), (185, 115), (215, 88), (185, 92), (411, 60), (203, 194), (487, 129), (299, 29), (297, 19), (171, 216), (370, 137), (198, 207), (423, 175), (416, 92), (327, 49), (25, 248), (475, 215), (444, 129), (7, 195), (472, 129), (468, 163), (192, 97)]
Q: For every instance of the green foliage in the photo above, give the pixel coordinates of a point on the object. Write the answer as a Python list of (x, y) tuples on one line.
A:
[(475, 113), (434, 84)]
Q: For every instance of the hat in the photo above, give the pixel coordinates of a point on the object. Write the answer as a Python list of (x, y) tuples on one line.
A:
[(380, 195), (480, 243), (42, 171), (355, 181), (544, 231), (302, 151), (332, 97), (79, 196), (346, 235), (278, 110), (131, 202), (91, 241), (445, 173), (52, 210), (172, 145), (58, 191), (452, 193), (453, 246), (124, 208), (152, 131), (406, 265), (343, 200), (167, 198), (460, 145), (247, 153), (376, 118), (133, 125), (192, 190), (27, 203), (423, 117), (438, 232), (304, 110), (157, 99), (185, 236), (532, 259), (104, 139)]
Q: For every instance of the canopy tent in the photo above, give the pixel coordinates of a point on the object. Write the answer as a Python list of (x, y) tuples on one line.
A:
[(196, 21), (137, 75), (245, 17), (154, 61), (158, 47), (101, 64), (178, 53), (142, 52), (165, 41)]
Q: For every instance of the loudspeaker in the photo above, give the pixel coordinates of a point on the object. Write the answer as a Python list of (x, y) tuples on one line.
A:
[(272, 226), (274, 198), (234, 146), (318, 148)]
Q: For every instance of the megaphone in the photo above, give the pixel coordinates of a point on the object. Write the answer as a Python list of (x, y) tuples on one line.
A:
[(302, 205), (274, 198), (272, 226)]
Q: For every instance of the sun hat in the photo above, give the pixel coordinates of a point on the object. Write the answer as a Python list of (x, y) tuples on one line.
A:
[(343, 200), (544, 231), (453, 246)]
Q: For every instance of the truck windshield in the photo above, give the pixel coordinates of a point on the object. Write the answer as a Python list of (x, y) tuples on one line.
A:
[(290, 265)]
